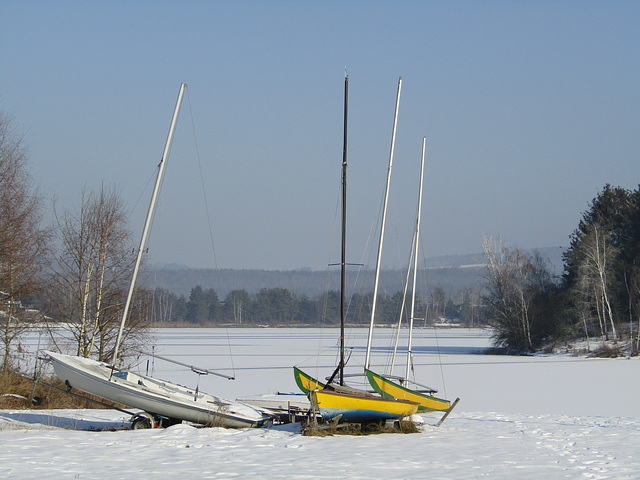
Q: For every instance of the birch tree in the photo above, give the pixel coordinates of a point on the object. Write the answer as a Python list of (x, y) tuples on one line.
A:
[(237, 306), (598, 254), (22, 241), (92, 270), (163, 304)]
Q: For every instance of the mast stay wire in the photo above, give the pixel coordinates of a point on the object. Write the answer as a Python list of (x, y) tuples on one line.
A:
[(435, 329), (208, 215), (161, 197)]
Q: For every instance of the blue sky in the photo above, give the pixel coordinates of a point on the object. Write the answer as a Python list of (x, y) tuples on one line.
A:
[(529, 109)]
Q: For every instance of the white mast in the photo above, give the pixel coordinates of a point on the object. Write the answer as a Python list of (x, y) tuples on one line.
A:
[(384, 219), (415, 262), (147, 224)]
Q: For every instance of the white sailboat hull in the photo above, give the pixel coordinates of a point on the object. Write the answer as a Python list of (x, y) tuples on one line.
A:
[(155, 396)]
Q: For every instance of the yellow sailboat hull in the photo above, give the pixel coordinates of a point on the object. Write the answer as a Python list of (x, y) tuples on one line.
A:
[(389, 389), (361, 409)]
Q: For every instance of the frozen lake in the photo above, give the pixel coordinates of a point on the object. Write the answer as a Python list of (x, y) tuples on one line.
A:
[(261, 359)]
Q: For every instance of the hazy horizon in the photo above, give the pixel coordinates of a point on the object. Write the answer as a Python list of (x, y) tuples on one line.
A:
[(529, 110)]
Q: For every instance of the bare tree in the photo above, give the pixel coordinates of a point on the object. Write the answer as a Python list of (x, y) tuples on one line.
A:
[(22, 241), (635, 307), (513, 280), (582, 296), (438, 302), (162, 305), (92, 270), (632, 285)]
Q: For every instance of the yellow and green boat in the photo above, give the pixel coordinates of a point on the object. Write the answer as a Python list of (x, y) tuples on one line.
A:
[(351, 404), (305, 382), (358, 406), (389, 389), (333, 400)]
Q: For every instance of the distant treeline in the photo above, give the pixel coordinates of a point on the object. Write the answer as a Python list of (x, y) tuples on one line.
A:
[(453, 273), (450, 290), (280, 306), (304, 282)]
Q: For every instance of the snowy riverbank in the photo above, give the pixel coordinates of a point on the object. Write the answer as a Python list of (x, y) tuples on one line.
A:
[(467, 446)]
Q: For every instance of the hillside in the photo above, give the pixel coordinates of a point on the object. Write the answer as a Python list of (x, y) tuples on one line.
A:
[(451, 273), (304, 282)]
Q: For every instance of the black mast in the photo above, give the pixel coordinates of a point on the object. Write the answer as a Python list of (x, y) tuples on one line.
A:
[(344, 230)]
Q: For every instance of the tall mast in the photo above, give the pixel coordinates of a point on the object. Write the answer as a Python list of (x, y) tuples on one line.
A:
[(147, 223), (382, 227), (344, 229), (415, 262)]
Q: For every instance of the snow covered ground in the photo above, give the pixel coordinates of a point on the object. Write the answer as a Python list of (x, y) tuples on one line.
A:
[(519, 417)]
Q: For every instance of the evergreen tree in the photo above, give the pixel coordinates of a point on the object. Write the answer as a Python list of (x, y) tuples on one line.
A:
[(197, 306), (275, 305), (180, 309), (213, 304), (307, 310), (601, 265)]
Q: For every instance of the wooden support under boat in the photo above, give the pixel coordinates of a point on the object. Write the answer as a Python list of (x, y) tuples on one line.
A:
[(453, 405)]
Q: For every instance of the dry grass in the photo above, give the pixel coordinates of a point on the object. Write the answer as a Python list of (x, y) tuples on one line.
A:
[(608, 351), (357, 429), (17, 392)]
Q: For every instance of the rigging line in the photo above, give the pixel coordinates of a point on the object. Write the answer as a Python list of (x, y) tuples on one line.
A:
[(160, 190), (370, 251), (435, 329), (420, 364), (151, 239), (325, 296), (206, 206), (144, 190), (402, 313), (367, 253), (394, 217), (444, 384), (424, 279), (204, 192), (135, 206), (352, 290), (334, 232), (165, 159)]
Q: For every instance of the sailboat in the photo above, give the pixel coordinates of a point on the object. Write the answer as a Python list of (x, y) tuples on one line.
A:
[(162, 402), (396, 387), (338, 401)]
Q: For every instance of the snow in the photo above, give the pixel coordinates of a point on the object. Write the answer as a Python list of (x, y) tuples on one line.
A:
[(519, 417)]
